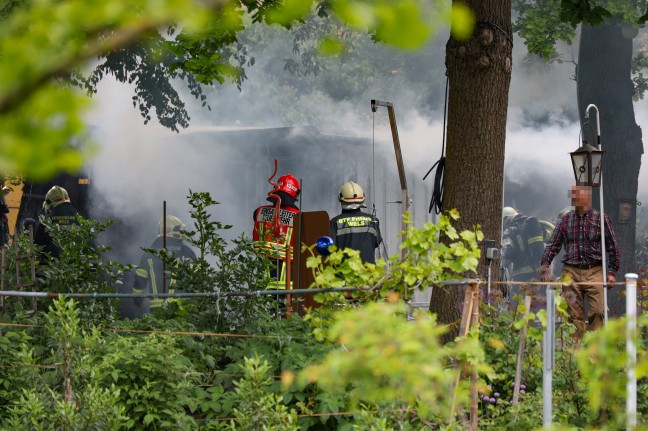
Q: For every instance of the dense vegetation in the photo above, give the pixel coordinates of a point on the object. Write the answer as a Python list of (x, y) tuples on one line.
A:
[(227, 363)]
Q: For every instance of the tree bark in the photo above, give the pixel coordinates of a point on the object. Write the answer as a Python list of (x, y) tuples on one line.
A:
[(604, 79), (479, 73)]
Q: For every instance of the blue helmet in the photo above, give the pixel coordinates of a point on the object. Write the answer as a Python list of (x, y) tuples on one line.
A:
[(322, 245)]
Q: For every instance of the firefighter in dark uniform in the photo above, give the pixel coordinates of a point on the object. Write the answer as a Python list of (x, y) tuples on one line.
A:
[(57, 210), (353, 228), (149, 274), (273, 228), (522, 246)]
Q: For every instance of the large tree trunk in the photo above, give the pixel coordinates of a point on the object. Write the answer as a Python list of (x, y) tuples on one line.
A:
[(479, 72), (604, 79)]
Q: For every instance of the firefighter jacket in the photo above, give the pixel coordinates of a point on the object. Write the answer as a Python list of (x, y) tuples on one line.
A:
[(65, 216), (357, 230), (266, 241), (275, 247), (523, 245), (149, 274)]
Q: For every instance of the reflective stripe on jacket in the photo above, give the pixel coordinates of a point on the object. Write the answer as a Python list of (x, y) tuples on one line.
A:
[(266, 241)]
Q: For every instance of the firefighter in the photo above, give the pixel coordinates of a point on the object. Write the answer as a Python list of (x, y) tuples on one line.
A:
[(522, 246), (353, 228), (273, 227), (57, 210), (150, 277)]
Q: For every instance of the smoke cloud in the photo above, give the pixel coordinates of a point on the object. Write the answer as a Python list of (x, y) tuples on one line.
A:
[(325, 135)]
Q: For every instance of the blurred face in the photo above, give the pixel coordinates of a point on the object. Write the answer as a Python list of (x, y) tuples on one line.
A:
[(581, 196)]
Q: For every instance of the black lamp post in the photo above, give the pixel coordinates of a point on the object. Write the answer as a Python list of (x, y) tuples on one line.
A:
[(586, 161)]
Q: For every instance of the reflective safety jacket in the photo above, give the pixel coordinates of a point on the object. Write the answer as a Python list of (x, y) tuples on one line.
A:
[(150, 276), (275, 247), (65, 216), (523, 245), (357, 230), (265, 239)]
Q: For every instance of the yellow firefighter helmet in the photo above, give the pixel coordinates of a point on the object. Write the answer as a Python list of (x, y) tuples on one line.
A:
[(55, 197), (173, 226), (352, 193)]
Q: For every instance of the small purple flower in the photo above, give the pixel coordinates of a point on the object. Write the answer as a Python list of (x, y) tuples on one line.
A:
[(492, 401), (512, 384), (496, 394), (522, 391), (485, 398), (522, 386)]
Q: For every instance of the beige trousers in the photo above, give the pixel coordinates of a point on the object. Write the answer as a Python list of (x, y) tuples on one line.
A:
[(575, 295)]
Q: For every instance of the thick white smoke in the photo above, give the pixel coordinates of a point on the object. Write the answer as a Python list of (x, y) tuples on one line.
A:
[(140, 166)]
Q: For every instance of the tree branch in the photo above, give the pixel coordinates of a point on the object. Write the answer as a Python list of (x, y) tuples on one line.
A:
[(121, 39)]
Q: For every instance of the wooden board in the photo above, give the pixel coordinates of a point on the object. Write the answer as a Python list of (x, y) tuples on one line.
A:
[(308, 227)]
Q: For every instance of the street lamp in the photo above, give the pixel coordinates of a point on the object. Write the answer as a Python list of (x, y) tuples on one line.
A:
[(586, 161)]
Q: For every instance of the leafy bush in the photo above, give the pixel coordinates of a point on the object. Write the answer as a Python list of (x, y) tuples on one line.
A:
[(156, 380), (81, 268), (61, 390), (255, 405), (220, 268)]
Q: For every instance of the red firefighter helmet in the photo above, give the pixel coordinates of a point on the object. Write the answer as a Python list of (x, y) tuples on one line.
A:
[(289, 184)]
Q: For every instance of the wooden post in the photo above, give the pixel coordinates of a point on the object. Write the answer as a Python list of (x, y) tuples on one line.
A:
[(469, 318), (288, 269)]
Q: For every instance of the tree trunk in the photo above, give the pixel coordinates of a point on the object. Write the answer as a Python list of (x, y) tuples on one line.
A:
[(604, 79), (479, 72)]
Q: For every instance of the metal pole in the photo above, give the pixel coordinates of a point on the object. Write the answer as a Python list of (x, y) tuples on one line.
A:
[(603, 259), (631, 350), (164, 246), (548, 360), (399, 162), (488, 290)]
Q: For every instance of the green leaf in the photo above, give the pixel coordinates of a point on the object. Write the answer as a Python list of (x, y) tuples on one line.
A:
[(462, 21)]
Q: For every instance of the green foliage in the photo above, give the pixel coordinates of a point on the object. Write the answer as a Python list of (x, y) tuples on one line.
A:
[(577, 11), (61, 390), (255, 405), (500, 331), (11, 383), (156, 381), (81, 268), (639, 64), (602, 364), (46, 46), (42, 42), (219, 267), (539, 23), (463, 21), (383, 359), (423, 262), (365, 357), (287, 346), (643, 18)]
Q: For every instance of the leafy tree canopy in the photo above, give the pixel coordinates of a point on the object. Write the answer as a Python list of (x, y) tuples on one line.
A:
[(45, 46), (541, 23)]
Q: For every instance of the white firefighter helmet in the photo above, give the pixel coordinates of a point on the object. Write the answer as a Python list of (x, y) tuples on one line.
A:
[(173, 226), (351, 193), (509, 212), (54, 197)]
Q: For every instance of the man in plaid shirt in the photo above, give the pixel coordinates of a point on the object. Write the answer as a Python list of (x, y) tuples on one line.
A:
[(579, 232)]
